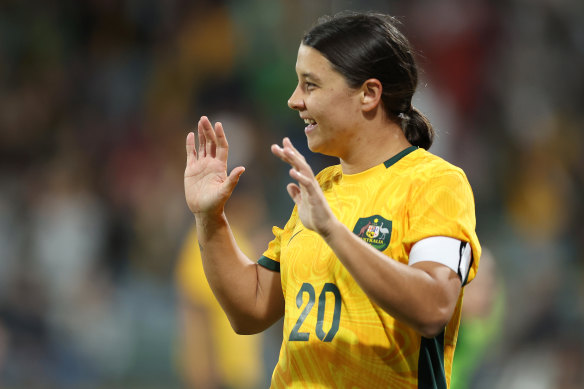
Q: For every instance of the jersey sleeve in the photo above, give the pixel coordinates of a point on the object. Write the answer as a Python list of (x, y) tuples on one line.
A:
[(270, 259), (444, 206)]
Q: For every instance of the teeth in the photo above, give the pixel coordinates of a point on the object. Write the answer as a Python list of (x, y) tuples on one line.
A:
[(309, 121)]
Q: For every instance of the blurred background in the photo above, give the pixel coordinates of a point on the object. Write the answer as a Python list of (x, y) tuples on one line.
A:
[(96, 241)]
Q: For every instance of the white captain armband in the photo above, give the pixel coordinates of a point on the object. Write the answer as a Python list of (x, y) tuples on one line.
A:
[(450, 252)]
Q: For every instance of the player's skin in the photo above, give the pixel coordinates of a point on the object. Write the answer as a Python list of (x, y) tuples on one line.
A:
[(352, 125)]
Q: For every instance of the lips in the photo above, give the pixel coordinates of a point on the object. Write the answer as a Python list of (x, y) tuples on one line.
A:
[(310, 125)]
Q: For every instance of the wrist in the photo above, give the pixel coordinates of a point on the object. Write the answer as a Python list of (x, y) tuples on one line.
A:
[(207, 222), (331, 229)]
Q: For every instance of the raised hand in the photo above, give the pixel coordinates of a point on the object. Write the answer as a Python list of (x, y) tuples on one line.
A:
[(313, 209), (207, 185)]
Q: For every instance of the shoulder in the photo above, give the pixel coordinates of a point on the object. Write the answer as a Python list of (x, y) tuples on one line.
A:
[(427, 167), (433, 180)]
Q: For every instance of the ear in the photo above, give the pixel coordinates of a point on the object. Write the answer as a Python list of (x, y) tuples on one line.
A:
[(371, 94)]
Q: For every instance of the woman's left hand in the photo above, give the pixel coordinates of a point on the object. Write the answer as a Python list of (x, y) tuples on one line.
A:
[(313, 209)]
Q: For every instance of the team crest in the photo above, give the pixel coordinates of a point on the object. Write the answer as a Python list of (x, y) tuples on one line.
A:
[(374, 230)]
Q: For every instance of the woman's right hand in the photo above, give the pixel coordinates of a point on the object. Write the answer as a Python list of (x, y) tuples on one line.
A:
[(207, 185)]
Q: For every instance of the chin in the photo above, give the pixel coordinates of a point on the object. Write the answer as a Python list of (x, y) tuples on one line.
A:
[(319, 146), (321, 150), (315, 147), (311, 144), (312, 148)]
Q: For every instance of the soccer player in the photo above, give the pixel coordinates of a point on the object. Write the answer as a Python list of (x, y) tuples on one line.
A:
[(370, 268)]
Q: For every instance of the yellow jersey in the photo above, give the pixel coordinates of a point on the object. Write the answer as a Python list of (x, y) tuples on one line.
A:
[(242, 368), (334, 335)]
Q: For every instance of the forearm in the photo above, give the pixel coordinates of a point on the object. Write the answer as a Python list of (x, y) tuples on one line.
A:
[(411, 294), (242, 291)]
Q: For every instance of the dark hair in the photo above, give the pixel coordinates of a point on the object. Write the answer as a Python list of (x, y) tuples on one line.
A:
[(368, 45)]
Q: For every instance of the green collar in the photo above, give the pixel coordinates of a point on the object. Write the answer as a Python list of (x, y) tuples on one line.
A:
[(399, 156)]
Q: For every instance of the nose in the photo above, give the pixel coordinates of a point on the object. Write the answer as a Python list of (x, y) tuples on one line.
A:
[(296, 101)]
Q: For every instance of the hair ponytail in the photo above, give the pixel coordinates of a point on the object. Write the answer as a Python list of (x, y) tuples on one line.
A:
[(417, 128)]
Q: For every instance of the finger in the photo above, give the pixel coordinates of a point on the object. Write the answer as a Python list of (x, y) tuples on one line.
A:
[(297, 161), (279, 152), (222, 145), (190, 145), (202, 139), (293, 158), (291, 151), (287, 143), (210, 145), (302, 179), (285, 154), (310, 184)]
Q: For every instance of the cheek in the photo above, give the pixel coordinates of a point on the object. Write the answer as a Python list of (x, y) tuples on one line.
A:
[(345, 101), (332, 105), (346, 108)]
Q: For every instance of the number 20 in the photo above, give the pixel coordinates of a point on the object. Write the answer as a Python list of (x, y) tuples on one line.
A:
[(295, 335)]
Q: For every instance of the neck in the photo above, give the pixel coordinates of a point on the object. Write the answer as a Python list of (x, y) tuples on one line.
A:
[(373, 145)]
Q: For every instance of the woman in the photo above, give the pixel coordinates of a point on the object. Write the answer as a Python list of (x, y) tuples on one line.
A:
[(369, 269)]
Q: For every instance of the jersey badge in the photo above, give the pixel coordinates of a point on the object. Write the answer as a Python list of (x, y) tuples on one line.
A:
[(374, 230)]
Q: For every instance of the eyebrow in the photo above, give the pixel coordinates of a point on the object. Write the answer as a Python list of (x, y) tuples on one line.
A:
[(311, 76)]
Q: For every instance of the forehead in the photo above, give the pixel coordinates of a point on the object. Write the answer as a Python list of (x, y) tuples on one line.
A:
[(310, 62)]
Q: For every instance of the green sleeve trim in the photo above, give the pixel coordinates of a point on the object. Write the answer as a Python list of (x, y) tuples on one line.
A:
[(269, 264), (431, 373)]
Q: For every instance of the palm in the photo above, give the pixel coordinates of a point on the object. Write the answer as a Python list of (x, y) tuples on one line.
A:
[(204, 181), (207, 185)]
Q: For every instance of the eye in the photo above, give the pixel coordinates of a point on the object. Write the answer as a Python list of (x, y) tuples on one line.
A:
[(309, 85)]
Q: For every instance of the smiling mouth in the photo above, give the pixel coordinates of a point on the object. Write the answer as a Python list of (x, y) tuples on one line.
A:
[(310, 125)]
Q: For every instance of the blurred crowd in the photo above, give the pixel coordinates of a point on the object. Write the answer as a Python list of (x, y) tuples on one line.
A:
[(96, 99)]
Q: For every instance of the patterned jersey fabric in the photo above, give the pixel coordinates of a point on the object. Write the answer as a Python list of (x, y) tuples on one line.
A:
[(334, 335)]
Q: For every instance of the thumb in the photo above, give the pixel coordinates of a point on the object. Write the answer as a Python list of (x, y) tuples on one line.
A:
[(233, 178)]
